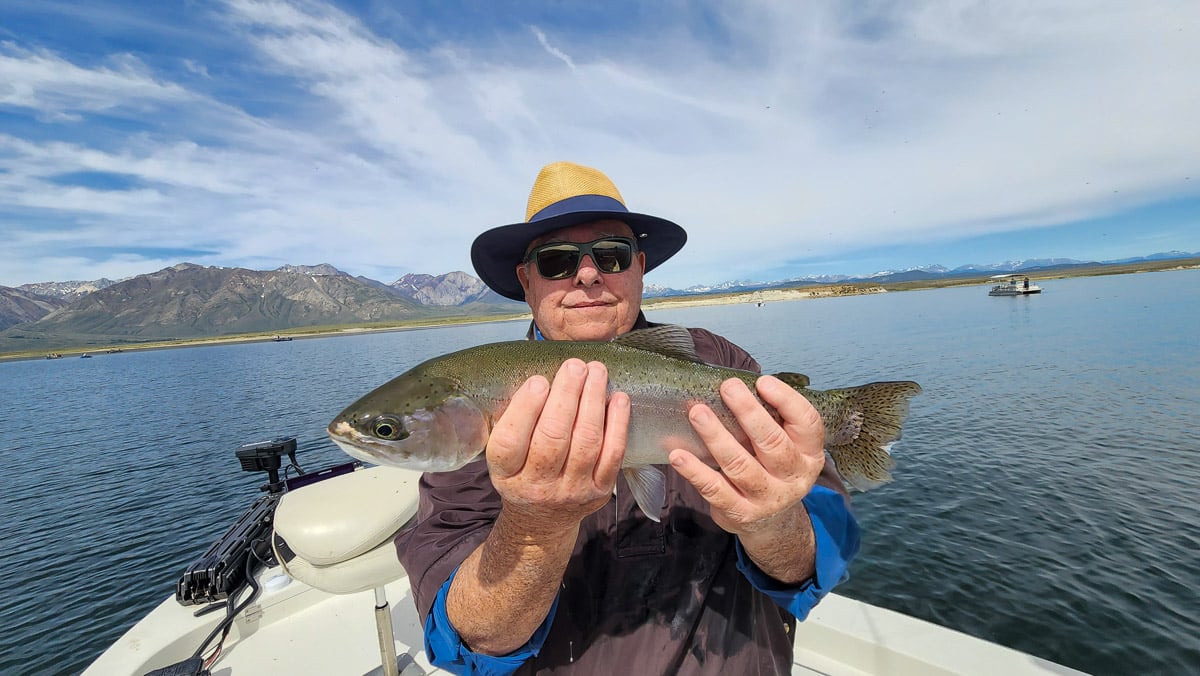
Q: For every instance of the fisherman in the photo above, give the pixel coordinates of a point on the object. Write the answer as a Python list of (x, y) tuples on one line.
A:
[(536, 558)]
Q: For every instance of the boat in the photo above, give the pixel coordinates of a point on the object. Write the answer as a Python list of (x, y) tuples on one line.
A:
[(325, 594), (85, 355), (1013, 285), (53, 355), (281, 339)]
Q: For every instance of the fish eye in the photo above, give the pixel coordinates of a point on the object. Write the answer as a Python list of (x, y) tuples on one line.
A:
[(389, 427)]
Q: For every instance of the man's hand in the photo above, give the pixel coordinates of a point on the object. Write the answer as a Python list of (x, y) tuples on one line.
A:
[(757, 493), (553, 456), (555, 453)]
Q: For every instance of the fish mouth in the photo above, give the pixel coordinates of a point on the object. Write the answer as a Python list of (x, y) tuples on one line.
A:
[(360, 446)]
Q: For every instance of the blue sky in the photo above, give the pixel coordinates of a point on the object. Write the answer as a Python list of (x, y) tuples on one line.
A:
[(788, 138)]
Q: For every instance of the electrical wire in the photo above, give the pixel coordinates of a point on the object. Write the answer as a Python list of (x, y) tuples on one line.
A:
[(231, 611)]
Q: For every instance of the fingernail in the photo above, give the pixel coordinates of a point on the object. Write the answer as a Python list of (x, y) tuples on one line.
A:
[(701, 415), (538, 385)]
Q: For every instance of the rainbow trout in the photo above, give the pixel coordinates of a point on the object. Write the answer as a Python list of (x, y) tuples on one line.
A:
[(437, 416)]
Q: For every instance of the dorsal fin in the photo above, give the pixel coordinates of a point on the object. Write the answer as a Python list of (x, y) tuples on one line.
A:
[(670, 340), (796, 381)]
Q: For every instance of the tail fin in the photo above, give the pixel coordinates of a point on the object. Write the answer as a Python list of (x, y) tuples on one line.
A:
[(861, 425)]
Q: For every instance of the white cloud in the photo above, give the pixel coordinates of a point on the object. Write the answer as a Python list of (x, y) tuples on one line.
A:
[(49, 84), (795, 130)]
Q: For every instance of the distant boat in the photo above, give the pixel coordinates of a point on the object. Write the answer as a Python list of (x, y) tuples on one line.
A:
[(85, 355), (114, 350), (281, 339), (1013, 285), (54, 355)]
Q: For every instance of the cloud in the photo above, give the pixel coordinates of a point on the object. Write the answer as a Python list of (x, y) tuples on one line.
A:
[(55, 88), (550, 49), (775, 132)]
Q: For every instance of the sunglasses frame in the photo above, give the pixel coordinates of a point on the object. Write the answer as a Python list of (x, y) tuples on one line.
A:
[(583, 249)]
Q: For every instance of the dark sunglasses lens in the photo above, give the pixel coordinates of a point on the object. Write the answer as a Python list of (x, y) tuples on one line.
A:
[(612, 256), (556, 262)]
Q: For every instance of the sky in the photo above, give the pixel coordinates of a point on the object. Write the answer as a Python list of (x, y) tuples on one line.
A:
[(789, 138)]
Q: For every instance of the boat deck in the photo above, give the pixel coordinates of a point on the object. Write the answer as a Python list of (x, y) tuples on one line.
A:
[(294, 628)]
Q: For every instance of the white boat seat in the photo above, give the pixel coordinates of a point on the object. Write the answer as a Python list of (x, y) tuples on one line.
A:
[(340, 530)]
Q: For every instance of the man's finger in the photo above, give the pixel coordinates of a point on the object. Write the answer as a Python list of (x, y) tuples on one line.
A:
[(551, 438), (587, 434), (509, 439), (738, 464), (763, 430), (800, 419), (801, 441), (616, 436), (711, 485)]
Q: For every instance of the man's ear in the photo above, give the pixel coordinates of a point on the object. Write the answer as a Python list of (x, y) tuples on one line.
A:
[(523, 274)]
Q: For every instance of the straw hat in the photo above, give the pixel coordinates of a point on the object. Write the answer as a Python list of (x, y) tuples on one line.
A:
[(567, 194)]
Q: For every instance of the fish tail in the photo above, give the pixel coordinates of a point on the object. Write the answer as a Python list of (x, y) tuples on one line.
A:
[(861, 428)]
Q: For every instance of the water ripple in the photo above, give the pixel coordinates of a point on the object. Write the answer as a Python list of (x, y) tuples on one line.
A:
[(1046, 495)]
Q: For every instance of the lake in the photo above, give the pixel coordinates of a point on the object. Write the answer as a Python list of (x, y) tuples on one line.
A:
[(1047, 493)]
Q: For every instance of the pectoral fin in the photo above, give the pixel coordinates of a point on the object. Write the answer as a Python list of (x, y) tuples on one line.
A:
[(649, 487)]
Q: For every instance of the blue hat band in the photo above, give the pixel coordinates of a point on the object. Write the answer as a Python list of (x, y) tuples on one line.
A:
[(579, 203)]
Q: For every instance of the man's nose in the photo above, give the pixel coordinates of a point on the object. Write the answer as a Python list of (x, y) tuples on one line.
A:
[(588, 273)]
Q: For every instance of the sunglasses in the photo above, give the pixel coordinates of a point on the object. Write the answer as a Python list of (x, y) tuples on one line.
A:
[(559, 260)]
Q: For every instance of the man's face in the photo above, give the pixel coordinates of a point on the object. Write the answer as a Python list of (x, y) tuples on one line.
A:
[(589, 305)]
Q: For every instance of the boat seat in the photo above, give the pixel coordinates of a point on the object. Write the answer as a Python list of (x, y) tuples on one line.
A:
[(336, 535)]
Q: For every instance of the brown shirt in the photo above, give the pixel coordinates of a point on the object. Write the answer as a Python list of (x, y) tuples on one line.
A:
[(637, 597)]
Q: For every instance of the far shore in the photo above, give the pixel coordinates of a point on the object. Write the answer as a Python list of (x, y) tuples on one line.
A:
[(761, 296)]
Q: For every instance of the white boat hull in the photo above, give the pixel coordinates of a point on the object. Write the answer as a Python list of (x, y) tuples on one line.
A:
[(293, 627), (296, 629)]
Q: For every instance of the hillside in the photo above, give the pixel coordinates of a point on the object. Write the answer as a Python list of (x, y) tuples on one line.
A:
[(18, 306), (191, 301)]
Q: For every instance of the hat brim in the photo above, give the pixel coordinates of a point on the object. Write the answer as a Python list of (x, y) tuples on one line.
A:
[(497, 252)]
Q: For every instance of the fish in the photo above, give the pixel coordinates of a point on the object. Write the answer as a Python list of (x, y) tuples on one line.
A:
[(437, 416)]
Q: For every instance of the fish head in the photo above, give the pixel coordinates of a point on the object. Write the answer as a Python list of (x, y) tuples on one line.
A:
[(414, 421)]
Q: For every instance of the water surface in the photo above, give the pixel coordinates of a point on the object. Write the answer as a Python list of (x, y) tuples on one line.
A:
[(1046, 498)]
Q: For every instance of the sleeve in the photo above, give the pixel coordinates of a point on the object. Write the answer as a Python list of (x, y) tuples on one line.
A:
[(455, 515), (445, 648), (837, 541)]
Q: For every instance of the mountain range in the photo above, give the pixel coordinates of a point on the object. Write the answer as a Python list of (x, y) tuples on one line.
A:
[(926, 272), (194, 301)]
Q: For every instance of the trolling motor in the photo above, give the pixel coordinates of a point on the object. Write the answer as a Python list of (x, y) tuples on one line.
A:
[(229, 563), (267, 456)]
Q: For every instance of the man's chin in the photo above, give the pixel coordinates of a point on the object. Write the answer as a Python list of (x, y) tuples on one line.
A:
[(596, 324)]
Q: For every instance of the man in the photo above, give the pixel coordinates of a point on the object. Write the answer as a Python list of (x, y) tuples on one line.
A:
[(536, 557)]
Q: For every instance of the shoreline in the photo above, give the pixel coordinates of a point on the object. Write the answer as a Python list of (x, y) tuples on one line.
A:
[(759, 296), (299, 333)]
